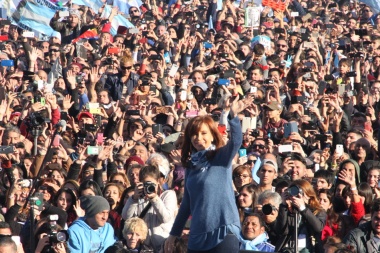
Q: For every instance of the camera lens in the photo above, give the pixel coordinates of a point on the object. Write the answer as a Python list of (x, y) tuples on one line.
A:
[(267, 209), (149, 188), (294, 190)]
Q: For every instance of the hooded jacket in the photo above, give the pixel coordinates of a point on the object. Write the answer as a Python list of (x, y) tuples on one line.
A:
[(82, 238)]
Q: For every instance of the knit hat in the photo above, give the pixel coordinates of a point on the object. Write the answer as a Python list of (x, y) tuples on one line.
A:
[(75, 12), (93, 205), (56, 34)]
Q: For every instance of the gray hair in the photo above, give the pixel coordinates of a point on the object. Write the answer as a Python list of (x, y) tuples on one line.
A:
[(163, 162), (269, 195)]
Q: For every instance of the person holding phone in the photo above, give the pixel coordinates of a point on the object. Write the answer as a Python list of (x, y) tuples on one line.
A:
[(215, 222)]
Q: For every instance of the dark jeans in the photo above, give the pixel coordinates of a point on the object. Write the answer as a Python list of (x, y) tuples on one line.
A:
[(230, 244)]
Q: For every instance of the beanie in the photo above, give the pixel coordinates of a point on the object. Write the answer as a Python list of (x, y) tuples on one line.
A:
[(93, 205)]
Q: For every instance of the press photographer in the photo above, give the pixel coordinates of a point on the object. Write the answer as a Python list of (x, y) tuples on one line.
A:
[(300, 200)]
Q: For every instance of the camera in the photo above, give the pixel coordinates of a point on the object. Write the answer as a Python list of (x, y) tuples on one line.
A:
[(351, 74), (108, 61), (149, 187), (36, 120), (90, 128), (294, 190), (267, 209), (54, 235), (255, 133), (268, 81)]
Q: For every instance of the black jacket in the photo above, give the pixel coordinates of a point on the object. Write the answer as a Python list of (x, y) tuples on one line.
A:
[(311, 226)]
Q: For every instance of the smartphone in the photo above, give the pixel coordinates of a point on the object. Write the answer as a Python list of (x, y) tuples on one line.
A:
[(322, 87), (183, 95), (173, 70), (133, 112), (113, 50), (339, 149), (93, 150), (242, 152), (64, 116), (39, 200), (156, 128), (7, 63), (285, 148), (56, 140), (320, 137), (368, 126), (209, 101), (133, 30), (222, 130), (229, 74), (191, 113), (28, 34), (63, 14), (253, 89), (289, 128), (6, 149), (308, 44), (99, 138), (207, 45), (341, 89), (161, 109), (92, 105), (225, 82), (89, 127), (4, 37), (294, 14), (95, 111), (279, 30)]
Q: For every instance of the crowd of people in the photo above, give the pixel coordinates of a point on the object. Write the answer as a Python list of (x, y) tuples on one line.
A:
[(208, 126)]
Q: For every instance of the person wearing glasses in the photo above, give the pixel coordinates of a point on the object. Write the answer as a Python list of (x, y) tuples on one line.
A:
[(253, 235), (242, 175), (134, 12), (124, 82)]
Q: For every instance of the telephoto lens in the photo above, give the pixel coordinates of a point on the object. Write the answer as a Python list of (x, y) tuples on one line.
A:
[(295, 190)]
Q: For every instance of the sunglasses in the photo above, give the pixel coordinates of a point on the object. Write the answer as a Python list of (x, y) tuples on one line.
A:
[(281, 45), (126, 67), (260, 146), (133, 11), (54, 50)]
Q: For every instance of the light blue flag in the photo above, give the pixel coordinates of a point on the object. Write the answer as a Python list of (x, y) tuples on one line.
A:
[(255, 168), (210, 23), (93, 4), (219, 5), (124, 5), (374, 4), (336, 61), (118, 20), (37, 17)]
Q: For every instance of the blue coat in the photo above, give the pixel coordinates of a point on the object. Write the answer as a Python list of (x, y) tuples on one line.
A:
[(84, 239)]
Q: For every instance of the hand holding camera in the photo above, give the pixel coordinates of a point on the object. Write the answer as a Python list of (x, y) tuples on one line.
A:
[(146, 189)]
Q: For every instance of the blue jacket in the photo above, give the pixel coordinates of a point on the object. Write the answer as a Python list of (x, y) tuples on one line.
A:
[(115, 86), (209, 195), (83, 239)]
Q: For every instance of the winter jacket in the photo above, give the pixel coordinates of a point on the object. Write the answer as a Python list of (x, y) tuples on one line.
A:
[(82, 238), (362, 238)]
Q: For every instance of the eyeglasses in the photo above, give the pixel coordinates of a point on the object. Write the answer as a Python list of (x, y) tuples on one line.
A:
[(281, 45), (260, 146), (363, 146), (241, 176), (251, 162), (126, 67)]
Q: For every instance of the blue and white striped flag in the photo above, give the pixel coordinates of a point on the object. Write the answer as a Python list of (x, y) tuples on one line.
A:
[(93, 4), (124, 5), (117, 21), (37, 17)]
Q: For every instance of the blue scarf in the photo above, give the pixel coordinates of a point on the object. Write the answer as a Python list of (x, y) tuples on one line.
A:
[(257, 244), (198, 160)]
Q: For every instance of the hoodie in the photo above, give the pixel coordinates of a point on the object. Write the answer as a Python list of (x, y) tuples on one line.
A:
[(82, 238)]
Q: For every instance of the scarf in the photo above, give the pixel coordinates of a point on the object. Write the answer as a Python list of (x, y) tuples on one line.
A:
[(257, 244), (198, 160)]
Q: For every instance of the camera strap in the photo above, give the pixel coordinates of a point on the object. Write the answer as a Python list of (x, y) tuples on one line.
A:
[(145, 210)]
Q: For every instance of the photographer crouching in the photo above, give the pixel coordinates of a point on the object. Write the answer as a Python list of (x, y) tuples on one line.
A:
[(300, 197)]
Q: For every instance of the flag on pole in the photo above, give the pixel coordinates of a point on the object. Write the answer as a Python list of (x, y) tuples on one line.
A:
[(89, 34)]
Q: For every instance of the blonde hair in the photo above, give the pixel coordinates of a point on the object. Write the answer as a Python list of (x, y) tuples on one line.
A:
[(126, 57), (135, 224)]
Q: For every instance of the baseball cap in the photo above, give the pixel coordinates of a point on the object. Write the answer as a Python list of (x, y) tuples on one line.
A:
[(269, 163), (273, 105), (85, 114)]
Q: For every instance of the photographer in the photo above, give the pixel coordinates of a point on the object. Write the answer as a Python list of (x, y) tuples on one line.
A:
[(155, 206), (300, 197)]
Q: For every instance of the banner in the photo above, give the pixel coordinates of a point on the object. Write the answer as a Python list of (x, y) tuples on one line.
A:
[(124, 5), (117, 21), (93, 4), (37, 17), (252, 17)]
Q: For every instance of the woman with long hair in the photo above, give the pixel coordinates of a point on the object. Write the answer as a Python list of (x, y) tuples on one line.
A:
[(208, 194), (301, 199), (247, 200), (66, 199)]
